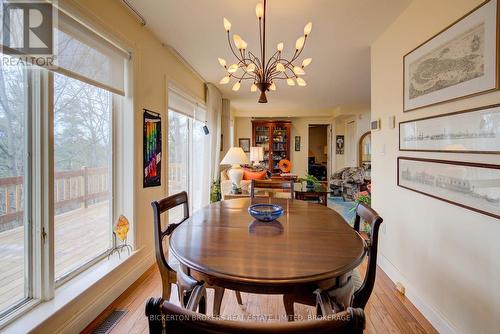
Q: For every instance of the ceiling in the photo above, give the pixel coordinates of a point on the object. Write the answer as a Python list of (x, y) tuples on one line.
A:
[(339, 44)]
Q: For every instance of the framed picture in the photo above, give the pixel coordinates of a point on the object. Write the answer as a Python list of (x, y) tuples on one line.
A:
[(297, 143), (152, 149), (339, 144), (460, 61), (244, 143), (473, 186), (468, 131)]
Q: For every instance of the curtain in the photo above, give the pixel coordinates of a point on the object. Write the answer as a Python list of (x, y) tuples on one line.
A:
[(214, 110)]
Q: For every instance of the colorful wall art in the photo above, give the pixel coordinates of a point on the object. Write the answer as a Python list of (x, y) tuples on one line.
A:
[(152, 149)]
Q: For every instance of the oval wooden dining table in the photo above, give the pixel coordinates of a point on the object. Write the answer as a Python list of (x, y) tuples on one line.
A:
[(308, 247)]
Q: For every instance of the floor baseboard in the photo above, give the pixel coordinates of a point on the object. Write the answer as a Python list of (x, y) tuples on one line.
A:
[(434, 317)]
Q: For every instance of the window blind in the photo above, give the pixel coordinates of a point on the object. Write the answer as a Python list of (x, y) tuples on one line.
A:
[(86, 56), (185, 106)]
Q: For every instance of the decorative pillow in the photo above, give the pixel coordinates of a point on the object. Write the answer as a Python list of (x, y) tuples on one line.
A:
[(251, 175)]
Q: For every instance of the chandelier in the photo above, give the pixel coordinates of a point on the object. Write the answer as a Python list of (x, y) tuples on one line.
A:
[(264, 72)]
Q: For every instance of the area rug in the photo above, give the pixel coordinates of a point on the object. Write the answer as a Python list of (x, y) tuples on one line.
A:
[(338, 204)]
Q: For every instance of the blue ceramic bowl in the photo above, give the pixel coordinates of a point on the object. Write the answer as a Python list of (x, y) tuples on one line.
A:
[(265, 212)]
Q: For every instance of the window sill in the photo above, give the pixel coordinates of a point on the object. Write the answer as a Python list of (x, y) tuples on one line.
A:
[(34, 315)]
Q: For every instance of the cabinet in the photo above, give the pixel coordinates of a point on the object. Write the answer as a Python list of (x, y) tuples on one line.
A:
[(275, 137)]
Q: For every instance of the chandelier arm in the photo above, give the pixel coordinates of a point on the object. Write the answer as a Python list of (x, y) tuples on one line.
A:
[(277, 74), (255, 58), (297, 54), (274, 60), (274, 63), (279, 78), (244, 61), (242, 77), (231, 46)]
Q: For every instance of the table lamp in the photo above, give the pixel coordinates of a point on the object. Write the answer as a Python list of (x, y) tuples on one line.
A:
[(256, 155), (235, 157)]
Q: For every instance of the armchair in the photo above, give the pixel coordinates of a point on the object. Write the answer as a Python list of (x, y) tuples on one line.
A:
[(347, 182)]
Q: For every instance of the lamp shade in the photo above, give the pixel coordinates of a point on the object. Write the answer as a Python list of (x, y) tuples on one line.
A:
[(256, 153), (235, 156)]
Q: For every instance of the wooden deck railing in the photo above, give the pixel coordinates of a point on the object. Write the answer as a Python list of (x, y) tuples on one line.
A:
[(177, 175), (72, 188)]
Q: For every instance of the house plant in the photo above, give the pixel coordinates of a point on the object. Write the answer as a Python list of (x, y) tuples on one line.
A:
[(311, 181)]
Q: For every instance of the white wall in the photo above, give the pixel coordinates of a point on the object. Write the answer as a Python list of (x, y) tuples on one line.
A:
[(447, 256)]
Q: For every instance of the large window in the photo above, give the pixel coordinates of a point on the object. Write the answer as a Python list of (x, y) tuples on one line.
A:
[(61, 144), (14, 228), (188, 153)]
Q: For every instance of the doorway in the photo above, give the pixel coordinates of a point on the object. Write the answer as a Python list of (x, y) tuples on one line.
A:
[(318, 151)]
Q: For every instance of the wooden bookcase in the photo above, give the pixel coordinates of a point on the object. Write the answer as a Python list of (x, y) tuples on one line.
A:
[(275, 137)]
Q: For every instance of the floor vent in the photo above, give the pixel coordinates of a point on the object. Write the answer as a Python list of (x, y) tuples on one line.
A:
[(107, 325)]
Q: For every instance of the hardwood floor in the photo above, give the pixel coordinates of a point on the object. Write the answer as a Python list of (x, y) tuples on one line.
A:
[(387, 310)]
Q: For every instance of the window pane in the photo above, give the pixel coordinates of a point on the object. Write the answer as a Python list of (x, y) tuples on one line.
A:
[(13, 225), (82, 178), (200, 184), (178, 157)]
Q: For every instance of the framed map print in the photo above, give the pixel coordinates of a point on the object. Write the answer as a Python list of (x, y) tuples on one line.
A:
[(468, 131), (460, 61), (472, 186)]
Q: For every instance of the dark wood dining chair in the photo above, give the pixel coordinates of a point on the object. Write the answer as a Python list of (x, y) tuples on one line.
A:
[(165, 317), (169, 269), (285, 185), (358, 290)]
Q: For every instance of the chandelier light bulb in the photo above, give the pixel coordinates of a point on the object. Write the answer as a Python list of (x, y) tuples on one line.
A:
[(222, 62), (238, 41), (290, 82), (253, 88), (259, 10), (225, 80), (300, 43), (251, 68), (308, 28), (298, 70), (233, 68), (272, 87), (301, 82), (280, 47), (306, 62), (244, 45), (227, 25), (237, 86), (280, 67)]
